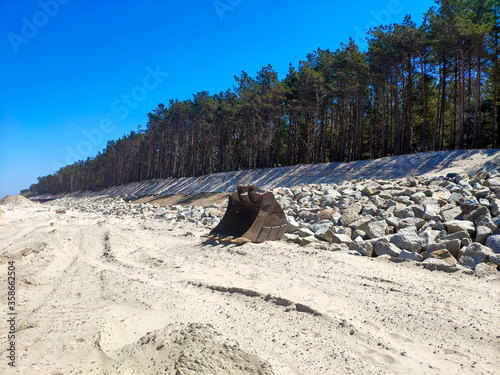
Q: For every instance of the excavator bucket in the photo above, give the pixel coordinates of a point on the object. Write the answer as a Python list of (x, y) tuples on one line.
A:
[(252, 215)]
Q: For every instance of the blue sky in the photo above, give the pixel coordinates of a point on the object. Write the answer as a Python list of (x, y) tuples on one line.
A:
[(75, 74)]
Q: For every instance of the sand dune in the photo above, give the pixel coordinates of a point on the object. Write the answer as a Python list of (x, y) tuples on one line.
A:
[(431, 163)]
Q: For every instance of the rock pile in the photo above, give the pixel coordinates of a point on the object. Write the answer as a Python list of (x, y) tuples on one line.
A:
[(445, 222), (207, 216)]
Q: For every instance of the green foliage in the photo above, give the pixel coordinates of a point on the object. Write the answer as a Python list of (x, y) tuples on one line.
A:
[(27, 193), (432, 87)]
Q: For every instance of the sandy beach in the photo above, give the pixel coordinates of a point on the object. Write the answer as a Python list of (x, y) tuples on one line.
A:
[(106, 295)]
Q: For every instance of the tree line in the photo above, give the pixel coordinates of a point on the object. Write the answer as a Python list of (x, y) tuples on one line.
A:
[(416, 88)]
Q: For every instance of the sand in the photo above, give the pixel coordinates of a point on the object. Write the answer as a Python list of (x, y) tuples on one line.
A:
[(432, 163), (103, 295), (128, 295)]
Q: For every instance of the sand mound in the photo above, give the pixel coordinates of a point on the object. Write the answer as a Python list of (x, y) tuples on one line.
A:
[(15, 201), (188, 349)]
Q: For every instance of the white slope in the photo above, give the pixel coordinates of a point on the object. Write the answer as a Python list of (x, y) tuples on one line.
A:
[(425, 163)]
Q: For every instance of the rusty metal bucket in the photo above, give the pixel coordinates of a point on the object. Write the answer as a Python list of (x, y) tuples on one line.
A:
[(252, 215)]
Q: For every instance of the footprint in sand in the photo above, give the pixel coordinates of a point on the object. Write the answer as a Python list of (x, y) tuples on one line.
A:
[(401, 338)]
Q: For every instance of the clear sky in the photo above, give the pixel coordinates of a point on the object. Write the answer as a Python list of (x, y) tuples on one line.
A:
[(75, 74)]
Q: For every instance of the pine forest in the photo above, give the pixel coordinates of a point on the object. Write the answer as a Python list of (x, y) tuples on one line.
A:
[(426, 87)]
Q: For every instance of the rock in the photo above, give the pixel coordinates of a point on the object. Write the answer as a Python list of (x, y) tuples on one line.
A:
[(368, 191), (292, 225), (312, 217), (468, 201), (404, 213), (395, 222), (493, 242), (444, 255), (452, 246), (493, 181), (211, 211), (335, 217), (460, 225), (342, 230), (417, 197), (428, 193), (484, 202), (377, 201), (297, 196), (341, 238), (411, 255), (452, 214), (481, 192), (410, 182), (384, 247), (496, 221), (60, 211), (428, 236), (485, 221), (461, 235), (333, 193), (279, 191), (441, 195), (358, 233), (482, 234), (317, 226), (495, 258), (438, 264), (363, 248), (403, 200), (475, 212), (304, 232), (495, 207), (289, 237), (325, 234), (351, 213), (418, 211), (159, 213), (391, 203), (438, 226), (376, 229), (328, 201), (407, 239), (474, 254), (181, 216), (307, 201), (325, 214), (308, 240), (430, 211), (369, 209), (427, 226), (413, 222), (455, 197), (361, 222)]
